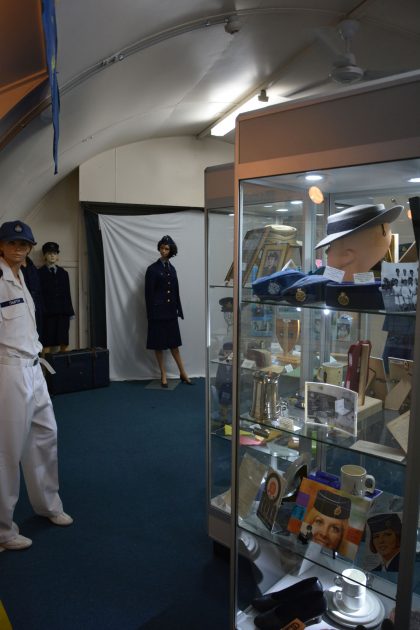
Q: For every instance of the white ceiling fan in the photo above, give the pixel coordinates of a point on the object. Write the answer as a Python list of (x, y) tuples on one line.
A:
[(345, 69)]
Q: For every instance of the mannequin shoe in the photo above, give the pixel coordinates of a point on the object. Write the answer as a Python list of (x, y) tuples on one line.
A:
[(16, 543), (61, 519), (298, 590)]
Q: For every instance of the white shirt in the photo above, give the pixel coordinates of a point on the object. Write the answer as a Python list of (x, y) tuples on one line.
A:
[(18, 333)]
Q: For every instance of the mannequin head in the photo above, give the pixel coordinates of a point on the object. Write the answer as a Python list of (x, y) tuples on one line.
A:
[(51, 251), (164, 243), (359, 237), (359, 252), (16, 241)]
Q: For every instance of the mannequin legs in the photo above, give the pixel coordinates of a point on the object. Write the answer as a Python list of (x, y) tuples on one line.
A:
[(161, 363), (178, 360)]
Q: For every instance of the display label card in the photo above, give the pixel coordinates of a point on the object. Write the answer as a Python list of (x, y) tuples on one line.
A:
[(336, 275), (247, 363), (288, 368), (364, 278)]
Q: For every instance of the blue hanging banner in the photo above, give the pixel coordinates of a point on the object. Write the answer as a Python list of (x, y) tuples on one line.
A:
[(50, 34)]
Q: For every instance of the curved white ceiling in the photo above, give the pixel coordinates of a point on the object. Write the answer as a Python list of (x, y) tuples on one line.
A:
[(178, 75)]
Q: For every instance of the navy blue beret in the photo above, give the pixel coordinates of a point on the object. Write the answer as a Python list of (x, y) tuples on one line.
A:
[(273, 285), (309, 289), (351, 295)]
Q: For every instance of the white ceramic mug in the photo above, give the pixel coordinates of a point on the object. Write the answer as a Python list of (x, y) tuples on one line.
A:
[(356, 481), (331, 372), (353, 588)]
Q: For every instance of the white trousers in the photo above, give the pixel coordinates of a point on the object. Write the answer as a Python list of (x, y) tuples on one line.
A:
[(28, 435)]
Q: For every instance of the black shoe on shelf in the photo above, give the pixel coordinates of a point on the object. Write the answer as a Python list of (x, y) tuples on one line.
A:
[(308, 609), (299, 590)]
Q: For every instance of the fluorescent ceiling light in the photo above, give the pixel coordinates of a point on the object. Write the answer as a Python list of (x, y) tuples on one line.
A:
[(228, 123), (231, 214), (296, 202), (313, 178), (282, 210), (414, 180), (268, 205)]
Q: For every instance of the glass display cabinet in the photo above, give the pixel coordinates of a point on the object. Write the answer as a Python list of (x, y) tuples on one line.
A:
[(325, 473), (219, 343)]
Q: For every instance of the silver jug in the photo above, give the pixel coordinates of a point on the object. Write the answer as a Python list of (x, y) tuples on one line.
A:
[(265, 404)]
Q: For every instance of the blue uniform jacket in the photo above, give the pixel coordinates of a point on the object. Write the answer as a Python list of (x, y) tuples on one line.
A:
[(56, 291), (162, 292)]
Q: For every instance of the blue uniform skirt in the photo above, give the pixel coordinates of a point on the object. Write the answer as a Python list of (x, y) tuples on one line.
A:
[(163, 334)]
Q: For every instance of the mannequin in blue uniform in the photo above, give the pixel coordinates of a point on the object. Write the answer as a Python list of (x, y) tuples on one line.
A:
[(163, 307), (58, 308), (28, 430)]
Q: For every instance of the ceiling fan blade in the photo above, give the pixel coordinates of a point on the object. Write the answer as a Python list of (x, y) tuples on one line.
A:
[(309, 87), (324, 37), (371, 75)]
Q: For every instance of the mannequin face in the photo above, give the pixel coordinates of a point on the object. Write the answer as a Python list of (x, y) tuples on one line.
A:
[(51, 258), (164, 251), (359, 252), (15, 252)]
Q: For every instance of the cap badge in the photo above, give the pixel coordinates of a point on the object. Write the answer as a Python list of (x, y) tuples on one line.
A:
[(300, 295), (337, 511), (343, 299), (273, 288), (18, 228)]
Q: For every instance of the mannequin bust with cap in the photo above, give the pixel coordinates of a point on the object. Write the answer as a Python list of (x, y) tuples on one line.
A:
[(358, 238), (58, 308)]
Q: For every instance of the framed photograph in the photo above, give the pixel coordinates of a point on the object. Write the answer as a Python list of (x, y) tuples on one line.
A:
[(329, 517), (270, 502), (383, 539), (332, 406), (251, 249), (399, 286), (272, 259)]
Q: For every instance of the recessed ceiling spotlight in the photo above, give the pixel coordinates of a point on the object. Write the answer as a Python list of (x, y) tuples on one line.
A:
[(282, 210), (313, 178), (268, 205), (414, 180), (319, 214), (296, 202)]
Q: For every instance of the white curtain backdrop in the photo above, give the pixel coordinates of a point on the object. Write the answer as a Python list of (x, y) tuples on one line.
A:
[(130, 246)]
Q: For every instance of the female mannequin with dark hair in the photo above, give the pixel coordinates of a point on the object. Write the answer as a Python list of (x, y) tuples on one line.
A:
[(163, 307)]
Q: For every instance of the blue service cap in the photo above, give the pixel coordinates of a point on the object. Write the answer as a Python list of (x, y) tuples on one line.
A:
[(332, 505), (16, 231), (351, 295), (272, 286), (307, 290)]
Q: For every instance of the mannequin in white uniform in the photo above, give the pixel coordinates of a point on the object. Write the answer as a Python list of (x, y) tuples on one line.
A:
[(28, 430)]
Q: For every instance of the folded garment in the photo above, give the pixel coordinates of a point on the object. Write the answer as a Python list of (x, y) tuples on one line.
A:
[(273, 285)]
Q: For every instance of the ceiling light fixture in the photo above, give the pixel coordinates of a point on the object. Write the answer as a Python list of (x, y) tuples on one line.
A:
[(313, 178), (296, 202), (258, 101), (282, 210), (414, 180)]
